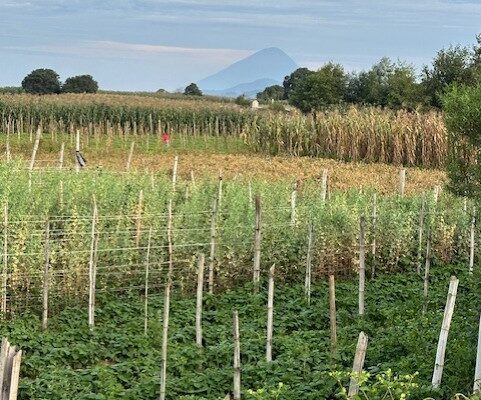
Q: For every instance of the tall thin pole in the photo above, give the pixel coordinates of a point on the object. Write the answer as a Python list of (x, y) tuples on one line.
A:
[(168, 287), (129, 159), (35, 148), (5, 260), (174, 173), (46, 277), (307, 290), (237, 359), (374, 235), (198, 308), (472, 242), (213, 240), (427, 267), (77, 150), (420, 233), (402, 181), (358, 364), (257, 244), (332, 313), (61, 158), (477, 373), (146, 293), (270, 314), (92, 260), (362, 264)]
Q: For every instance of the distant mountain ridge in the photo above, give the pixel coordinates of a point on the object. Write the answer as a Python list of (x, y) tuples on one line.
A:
[(251, 75)]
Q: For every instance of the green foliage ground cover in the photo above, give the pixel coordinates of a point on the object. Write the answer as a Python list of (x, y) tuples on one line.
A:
[(116, 361)]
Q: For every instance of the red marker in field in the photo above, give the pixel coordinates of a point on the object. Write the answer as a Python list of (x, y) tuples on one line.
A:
[(166, 138)]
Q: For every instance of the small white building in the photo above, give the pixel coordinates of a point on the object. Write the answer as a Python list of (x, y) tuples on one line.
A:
[(255, 105)]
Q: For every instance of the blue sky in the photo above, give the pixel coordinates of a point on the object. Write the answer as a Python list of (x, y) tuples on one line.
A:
[(150, 44)]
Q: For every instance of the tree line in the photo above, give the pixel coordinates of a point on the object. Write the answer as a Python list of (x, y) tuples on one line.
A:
[(387, 84), (47, 81)]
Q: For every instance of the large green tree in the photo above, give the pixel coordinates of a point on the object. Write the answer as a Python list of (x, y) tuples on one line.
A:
[(454, 65), (462, 107), (42, 81), (192, 90), (318, 90), (274, 92), (292, 80), (80, 84)]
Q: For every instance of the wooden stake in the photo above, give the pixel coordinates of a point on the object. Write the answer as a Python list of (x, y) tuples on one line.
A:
[(358, 364), (362, 265), (168, 286), (35, 148), (220, 190), (237, 358), (426, 272), (174, 173), (472, 242), (374, 237), (61, 158), (213, 240), (257, 244), (92, 269), (5, 260), (332, 314), (307, 289), (7, 150), (198, 308), (477, 373), (293, 206), (46, 278), (324, 185), (270, 314), (443, 335), (138, 219), (129, 159), (146, 293), (251, 197), (402, 181), (420, 234)]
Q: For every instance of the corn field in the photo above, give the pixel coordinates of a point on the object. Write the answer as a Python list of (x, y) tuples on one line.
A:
[(354, 134)]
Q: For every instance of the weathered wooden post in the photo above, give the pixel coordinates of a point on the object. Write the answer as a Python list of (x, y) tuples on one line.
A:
[(257, 244), (146, 292), (237, 358), (358, 364), (61, 158), (5, 261), (374, 235), (332, 314), (10, 360), (427, 267), (477, 373), (198, 308), (35, 148), (129, 159), (213, 240), (307, 289), (324, 185), (472, 242), (443, 335), (270, 314), (362, 264), (92, 266), (46, 277), (402, 181), (420, 234)]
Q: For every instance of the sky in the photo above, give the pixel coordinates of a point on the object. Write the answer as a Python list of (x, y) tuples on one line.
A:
[(152, 44)]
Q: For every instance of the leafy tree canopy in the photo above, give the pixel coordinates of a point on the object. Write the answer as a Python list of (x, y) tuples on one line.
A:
[(192, 90), (80, 84), (42, 81)]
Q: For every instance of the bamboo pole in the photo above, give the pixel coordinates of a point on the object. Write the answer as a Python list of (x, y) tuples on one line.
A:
[(46, 278), (307, 288), (213, 240), (362, 265), (5, 260), (61, 158), (220, 190), (129, 159), (443, 335), (402, 181), (293, 205), (199, 302), (374, 237), (174, 173), (257, 244), (477, 372), (138, 219), (332, 314), (35, 148), (324, 185), (92, 271), (420, 234), (472, 242), (146, 292), (237, 358), (358, 364), (270, 314), (427, 267), (168, 287)]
